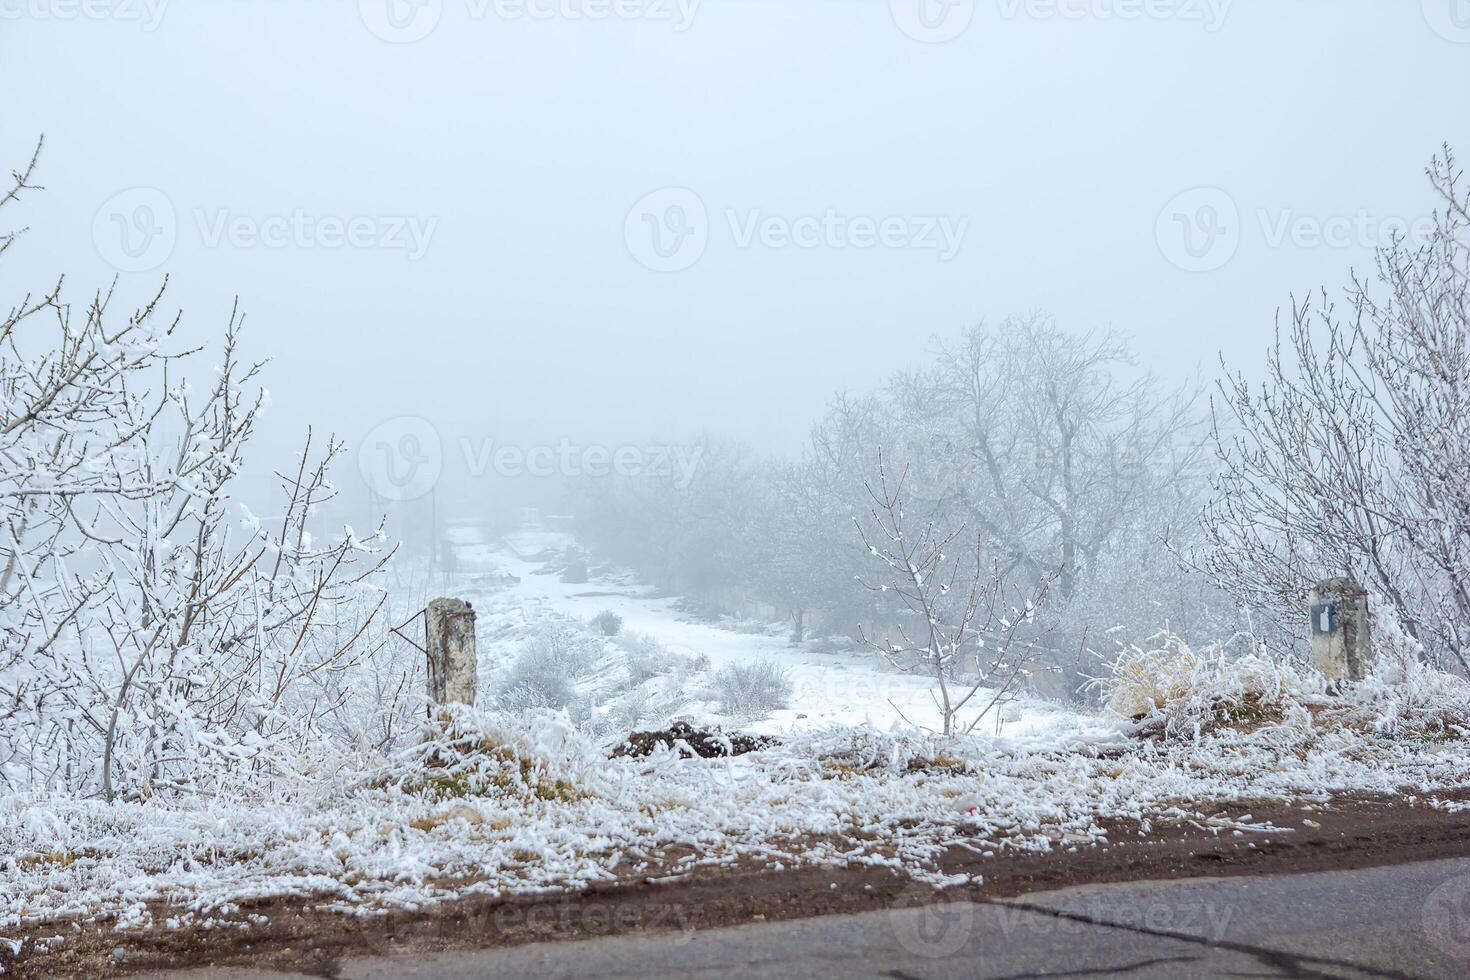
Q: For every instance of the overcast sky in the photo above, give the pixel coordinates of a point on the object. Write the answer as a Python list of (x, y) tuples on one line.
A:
[(620, 219)]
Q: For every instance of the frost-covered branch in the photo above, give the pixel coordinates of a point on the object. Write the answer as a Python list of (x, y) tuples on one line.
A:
[(965, 636)]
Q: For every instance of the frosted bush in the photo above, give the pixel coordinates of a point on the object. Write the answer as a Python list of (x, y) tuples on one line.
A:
[(608, 623), (1178, 690), (1404, 700), (652, 705), (751, 690), (462, 753), (605, 687), (647, 658), (552, 663), (1187, 691)]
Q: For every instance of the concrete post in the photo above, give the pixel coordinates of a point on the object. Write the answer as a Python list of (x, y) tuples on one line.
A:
[(450, 642), (1341, 645)]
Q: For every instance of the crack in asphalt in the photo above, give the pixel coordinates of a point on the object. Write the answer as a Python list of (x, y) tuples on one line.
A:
[(1285, 964), (1110, 971)]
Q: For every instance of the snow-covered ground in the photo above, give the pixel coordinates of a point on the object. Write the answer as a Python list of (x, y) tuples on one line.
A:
[(506, 803), (828, 688)]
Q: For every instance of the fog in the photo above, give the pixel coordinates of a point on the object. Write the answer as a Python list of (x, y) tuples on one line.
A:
[(1091, 375), (496, 159), (498, 247)]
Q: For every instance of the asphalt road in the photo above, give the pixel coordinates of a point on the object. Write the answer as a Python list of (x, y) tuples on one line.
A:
[(1402, 921)]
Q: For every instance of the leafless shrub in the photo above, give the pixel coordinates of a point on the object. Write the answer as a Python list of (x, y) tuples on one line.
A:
[(752, 690), (550, 667), (964, 624), (608, 623)]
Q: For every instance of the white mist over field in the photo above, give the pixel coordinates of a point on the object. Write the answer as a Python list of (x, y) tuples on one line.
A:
[(995, 423), (495, 153)]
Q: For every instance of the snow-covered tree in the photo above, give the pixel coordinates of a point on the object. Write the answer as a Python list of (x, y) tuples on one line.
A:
[(805, 554), (1044, 443), (953, 621), (1353, 456), (156, 635)]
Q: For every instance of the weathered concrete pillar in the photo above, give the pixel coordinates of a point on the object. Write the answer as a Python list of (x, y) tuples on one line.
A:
[(450, 642), (1341, 645)]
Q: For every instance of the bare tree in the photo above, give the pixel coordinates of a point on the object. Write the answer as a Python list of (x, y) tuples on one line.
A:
[(805, 554), (1354, 455), (960, 607), (153, 631), (1043, 444)]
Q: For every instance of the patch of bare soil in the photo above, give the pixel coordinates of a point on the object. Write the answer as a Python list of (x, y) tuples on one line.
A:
[(1353, 832), (691, 741)]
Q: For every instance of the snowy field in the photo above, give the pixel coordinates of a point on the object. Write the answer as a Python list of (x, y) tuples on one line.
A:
[(500, 803), (849, 687)]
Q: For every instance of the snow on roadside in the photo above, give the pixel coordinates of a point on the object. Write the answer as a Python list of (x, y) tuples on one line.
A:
[(524, 803), (360, 840)]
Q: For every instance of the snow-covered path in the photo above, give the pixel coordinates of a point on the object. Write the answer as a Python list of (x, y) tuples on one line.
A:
[(851, 688)]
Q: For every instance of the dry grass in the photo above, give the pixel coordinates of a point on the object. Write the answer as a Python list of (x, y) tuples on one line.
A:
[(1175, 689), (461, 757)]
